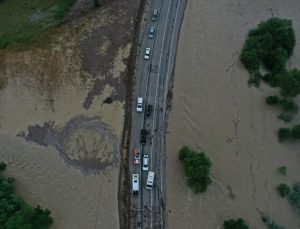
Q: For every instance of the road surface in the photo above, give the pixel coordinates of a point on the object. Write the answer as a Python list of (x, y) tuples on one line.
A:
[(152, 82)]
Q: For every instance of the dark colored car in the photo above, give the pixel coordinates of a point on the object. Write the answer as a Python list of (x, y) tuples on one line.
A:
[(148, 110), (143, 136)]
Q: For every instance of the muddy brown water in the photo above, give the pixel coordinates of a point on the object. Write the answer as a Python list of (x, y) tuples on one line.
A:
[(214, 111)]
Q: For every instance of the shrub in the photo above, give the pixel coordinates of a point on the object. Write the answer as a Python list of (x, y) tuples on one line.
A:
[(235, 224), (283, 134), (285, 117), (290, 83), (282, 170), (271, 224), (283, 190), (197, 169), (272, 79), (296, 131), (2, 165), (289, 106), (272, 100), (294, 197)]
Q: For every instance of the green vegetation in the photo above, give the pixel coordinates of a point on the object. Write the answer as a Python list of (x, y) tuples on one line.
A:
[(15, 213), (282, 170), (285, 117), (271, 224), (2, 165), (270, 44), (96, 3), (296, 132), (294, 197), (284, 134), (23, 22), (289, 106), (283, 190), (272, 100), (197, 169), (235, 224)]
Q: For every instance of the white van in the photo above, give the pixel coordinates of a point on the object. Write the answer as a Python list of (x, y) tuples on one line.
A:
[(150, 180), (135, 184), (139, 104)]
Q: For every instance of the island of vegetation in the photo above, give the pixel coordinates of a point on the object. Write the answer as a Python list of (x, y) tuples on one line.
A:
[(15, 213), (197, 169)]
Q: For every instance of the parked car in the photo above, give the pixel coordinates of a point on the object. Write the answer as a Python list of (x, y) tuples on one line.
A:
[(146, 162), (148, 110), (139, 104), (154, 15), (143, 136), (151, 32), (147, 54), (137, 156)]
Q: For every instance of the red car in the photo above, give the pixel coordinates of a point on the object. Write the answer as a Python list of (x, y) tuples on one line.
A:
[(137, 157)]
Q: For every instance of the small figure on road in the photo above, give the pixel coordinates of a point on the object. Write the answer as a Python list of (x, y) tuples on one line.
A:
[(161, 109)]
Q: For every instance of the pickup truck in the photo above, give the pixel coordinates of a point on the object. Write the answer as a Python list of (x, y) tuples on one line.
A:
[(137, 156)]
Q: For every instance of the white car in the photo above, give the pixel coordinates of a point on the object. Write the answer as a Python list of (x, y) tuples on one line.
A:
[(139, 104), (146, 163), (147, 53)]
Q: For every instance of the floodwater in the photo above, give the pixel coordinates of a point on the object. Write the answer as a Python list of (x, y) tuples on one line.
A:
[(214, 111)]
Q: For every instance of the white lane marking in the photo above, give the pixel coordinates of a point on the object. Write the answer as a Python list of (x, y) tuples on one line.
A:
[(155, 101)]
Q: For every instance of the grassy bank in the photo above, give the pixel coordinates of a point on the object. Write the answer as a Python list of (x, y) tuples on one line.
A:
[(23, 21)]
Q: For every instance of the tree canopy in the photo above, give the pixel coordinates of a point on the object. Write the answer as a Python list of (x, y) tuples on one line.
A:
[(15, 213), (197, 169)]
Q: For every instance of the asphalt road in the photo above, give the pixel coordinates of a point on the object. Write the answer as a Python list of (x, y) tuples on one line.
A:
[(152, 82)]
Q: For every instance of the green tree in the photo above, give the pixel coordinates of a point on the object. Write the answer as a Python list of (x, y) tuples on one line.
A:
[(235, 224), (283, 190), (96, 3), (197, 169), (284, 134), (272, 100)]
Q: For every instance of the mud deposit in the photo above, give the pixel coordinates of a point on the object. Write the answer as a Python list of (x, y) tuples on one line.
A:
[(62, 116)]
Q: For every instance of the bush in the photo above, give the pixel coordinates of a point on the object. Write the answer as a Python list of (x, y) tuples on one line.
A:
[(235, 224), (283, 190), (294, 197), (285, 117), (272, 100), (289, 106), (284, 134), (197, 169), (273, 79), (2, 166), (282, 170), (296, 132), (290, 83), (271, 224)]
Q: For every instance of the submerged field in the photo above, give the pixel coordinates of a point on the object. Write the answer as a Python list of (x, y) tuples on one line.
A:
[(62, 113), (219, 114), (22, 22)]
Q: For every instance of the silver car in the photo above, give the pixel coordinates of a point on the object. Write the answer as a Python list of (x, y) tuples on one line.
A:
[(151, 32), (146, 163)]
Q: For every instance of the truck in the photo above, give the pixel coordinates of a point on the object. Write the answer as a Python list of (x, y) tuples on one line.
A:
[(150, 180), (135, 184), (137, 156)]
